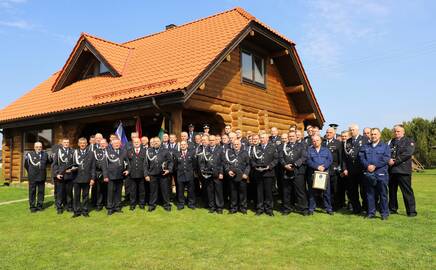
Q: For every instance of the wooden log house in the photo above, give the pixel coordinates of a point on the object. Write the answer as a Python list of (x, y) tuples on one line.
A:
[(226, 69)]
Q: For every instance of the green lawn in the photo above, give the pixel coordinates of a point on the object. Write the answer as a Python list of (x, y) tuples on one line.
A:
[(198, 240)]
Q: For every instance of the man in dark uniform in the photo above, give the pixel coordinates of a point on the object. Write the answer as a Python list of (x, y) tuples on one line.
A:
[(335, 169), (319, 158), (237, 168), (292, 157), (353, 169), (63, 169), (185, 165), (402, 149), (158, 166), (115, 169), (264, 159), (184, 137), (84, 160), (136, 157), (191, 133), (99, 183), (211, 168), (308, 139), (374, 157), (36, 163)]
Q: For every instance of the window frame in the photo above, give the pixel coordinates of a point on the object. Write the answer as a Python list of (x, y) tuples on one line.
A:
[(254, 54)]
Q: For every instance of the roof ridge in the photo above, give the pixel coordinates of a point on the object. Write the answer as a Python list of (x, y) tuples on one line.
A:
[(240, 10), (105, 40)]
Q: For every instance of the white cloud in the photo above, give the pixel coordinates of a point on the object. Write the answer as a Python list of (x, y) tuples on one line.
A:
[(21, 24), (331, 25)]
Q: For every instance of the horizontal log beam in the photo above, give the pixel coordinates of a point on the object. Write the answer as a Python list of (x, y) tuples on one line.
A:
[(294, 89), (279, 53), (307, 116)]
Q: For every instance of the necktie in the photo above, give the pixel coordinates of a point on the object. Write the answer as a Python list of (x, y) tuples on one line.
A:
[(118, 151), (137, 151), (184, 154)]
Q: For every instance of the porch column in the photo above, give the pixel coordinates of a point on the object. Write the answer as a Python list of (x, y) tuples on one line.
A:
[(176, 121)]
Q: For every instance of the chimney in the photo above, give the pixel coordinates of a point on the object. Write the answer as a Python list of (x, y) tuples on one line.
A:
[(170, 26)]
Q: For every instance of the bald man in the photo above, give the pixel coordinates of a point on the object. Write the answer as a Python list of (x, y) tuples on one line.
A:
[(36, 163)]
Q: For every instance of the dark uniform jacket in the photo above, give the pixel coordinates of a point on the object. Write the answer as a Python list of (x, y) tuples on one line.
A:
[(239, 163), (85, 163), (63, 160), (185, 165), (335, 148), (157, 160), (295, 154), (115, 164), (260, 158), (36, 165), (136, 162), (100, 159), (210, 162), (351, 154), (402, 151)]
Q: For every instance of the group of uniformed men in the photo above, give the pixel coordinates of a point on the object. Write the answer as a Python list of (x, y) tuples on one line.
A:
[(229, 168)]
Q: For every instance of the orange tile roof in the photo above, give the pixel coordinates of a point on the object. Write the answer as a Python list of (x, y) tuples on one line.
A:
[(163, 62)]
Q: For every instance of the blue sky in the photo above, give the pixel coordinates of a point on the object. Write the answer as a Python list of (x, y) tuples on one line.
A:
[(370, 62)]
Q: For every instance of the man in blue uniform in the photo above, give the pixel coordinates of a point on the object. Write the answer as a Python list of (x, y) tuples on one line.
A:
[(402, 149), (374, 158), (319, 158)]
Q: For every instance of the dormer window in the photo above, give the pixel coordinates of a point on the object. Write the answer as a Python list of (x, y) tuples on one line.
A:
[(94, 68), (252, 68)]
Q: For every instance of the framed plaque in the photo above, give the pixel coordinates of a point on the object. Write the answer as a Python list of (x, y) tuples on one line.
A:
[(320, 180)]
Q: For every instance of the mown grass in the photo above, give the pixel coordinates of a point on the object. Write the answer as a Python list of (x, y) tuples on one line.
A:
[(198, 240)]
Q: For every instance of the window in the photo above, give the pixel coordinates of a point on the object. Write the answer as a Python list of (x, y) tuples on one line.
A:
[(45, 136), (253, 68)]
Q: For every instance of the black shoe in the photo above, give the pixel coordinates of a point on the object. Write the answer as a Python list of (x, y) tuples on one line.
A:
[(393, 212), (70, 210), (151, 208), (259, 212), (412, 214), (110, 213), (305, 213), (60, 211), (211, 211), (142, 207), (168, 209), (191, 207), (180, 208), (119, 211), (243, 211), (270, 213), (219, 211), (76, 215), (39, 209), (132, 208), (370, 217), (99, 208), (85, 214), (331, 213), (310, 213), (384, 217), (33, 210), (285, 213), (232, 211)]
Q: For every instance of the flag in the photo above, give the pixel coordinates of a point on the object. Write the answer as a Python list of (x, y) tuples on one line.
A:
[(139, 127), (121, 134), (162, 129)]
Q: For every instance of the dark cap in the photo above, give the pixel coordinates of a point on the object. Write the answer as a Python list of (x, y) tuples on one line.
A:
[(334, 126), (206, 126)]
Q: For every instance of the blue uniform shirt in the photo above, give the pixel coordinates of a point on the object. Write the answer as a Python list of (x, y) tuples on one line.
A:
[(378, 156), (315, 159)]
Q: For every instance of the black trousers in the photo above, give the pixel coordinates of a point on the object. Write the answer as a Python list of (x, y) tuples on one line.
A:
[(100, 193), (405, 183), (137, 191), (214, 187), (340, 193), (36, 188), (64, 194), (181, 186), (238, 195), (126, 184), (81, 198), (264, 187), (356, 184), (333, 178), (156, 183), (296, 188), (114, 188)]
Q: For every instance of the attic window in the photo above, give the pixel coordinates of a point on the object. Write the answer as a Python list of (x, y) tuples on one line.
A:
[(253, 68), (93, 68)]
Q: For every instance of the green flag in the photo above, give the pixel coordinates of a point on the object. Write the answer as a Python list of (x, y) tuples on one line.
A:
[(162, 129)]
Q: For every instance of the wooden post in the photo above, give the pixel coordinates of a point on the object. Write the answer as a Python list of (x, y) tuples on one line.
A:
[(176, 121)]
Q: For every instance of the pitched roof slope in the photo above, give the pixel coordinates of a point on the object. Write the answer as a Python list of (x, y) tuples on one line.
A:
[(162, 62)]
